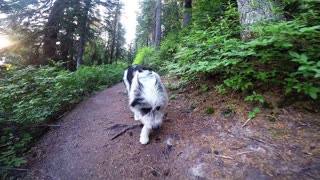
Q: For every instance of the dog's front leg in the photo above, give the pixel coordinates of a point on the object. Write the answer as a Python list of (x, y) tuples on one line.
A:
[(144, 136), (137, 116), (136, 113)]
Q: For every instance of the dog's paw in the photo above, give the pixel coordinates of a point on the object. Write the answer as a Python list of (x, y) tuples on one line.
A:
[(144, 140)]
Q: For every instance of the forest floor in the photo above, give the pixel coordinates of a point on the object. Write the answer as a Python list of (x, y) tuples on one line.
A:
[(280, 143)]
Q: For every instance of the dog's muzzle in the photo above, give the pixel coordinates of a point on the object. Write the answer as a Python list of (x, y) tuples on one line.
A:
[(156, 126)]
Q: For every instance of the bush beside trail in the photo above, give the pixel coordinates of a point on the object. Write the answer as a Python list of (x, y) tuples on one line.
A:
[(32, 97)]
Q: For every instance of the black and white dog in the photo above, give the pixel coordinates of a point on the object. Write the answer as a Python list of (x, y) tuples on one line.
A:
[(147, 98)]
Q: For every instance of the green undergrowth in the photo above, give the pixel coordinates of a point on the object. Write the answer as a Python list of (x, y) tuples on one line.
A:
[(32, 96), (283, 54)]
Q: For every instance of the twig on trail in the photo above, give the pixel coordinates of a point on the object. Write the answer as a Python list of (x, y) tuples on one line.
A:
[(260, 140), (245, 152), (246, 122), (117, 126), (13, 169), (222, 156), (267, 115), (154, 171), (62, 115), (124, 130)]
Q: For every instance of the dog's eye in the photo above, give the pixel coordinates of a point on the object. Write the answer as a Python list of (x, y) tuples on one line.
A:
[(158, 108), (145, 110)]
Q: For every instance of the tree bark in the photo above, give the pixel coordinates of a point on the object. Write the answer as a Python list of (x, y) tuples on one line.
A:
[(67, 46), (252, 11), (107, 48), (114, 32), (83, 31), (158, 24), (187, 14), (51, 31), (117, 54)]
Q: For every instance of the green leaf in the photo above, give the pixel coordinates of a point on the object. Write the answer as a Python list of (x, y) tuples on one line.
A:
[(313, 94), (18, 162), (304, 58), (294, 54), (257, 110), (303, 68), (251, 115), (309, 29)]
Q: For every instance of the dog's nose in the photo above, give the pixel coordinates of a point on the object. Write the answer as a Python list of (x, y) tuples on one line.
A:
[(156, 126)]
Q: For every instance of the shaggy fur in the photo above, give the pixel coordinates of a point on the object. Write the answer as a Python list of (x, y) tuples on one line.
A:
[(147, 98)]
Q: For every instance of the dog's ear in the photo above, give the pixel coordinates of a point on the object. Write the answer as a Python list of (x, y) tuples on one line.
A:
[(158, 85), (147, 68)]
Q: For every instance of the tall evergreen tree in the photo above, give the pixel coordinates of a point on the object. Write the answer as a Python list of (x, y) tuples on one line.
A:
[(187, 13), (114, 32), (51, 30), (158, 32), (171, 16), (83, 31), (146, 23), (24, 23)]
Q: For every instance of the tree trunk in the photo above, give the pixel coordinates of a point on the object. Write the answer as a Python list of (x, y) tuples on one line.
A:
[(67, 46), (130, 55), (187, 14), (83, 31), (252, 11), (158, 24), (107, 49), (51, 30), (114, 32)]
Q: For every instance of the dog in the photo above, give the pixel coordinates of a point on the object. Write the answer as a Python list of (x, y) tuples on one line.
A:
[(147, 98)]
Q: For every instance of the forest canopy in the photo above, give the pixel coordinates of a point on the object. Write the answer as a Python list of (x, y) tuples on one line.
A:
[(70, 31)]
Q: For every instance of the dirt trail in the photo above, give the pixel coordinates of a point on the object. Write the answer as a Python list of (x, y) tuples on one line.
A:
[(190, 145)]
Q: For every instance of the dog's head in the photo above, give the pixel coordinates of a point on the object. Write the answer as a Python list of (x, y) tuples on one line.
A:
[(148, 97)]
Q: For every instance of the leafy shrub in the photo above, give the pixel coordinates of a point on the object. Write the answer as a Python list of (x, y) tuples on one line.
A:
[(209, 111), (169, 46), (252, 114), (32, 96), (204, 88), (143, 55), (284, 53), (221, 89), (255, 98)]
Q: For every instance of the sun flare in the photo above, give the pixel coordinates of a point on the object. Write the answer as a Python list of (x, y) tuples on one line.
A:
[(5, 42)]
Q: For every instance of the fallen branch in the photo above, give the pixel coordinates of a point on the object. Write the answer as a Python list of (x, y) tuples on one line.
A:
[(154, 171), (260, 140), (62, 115), (245, 152), (267, 115), (222, 156), (117, 126), (129, 127), (179, 153), (246, 122), (13, 169)]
